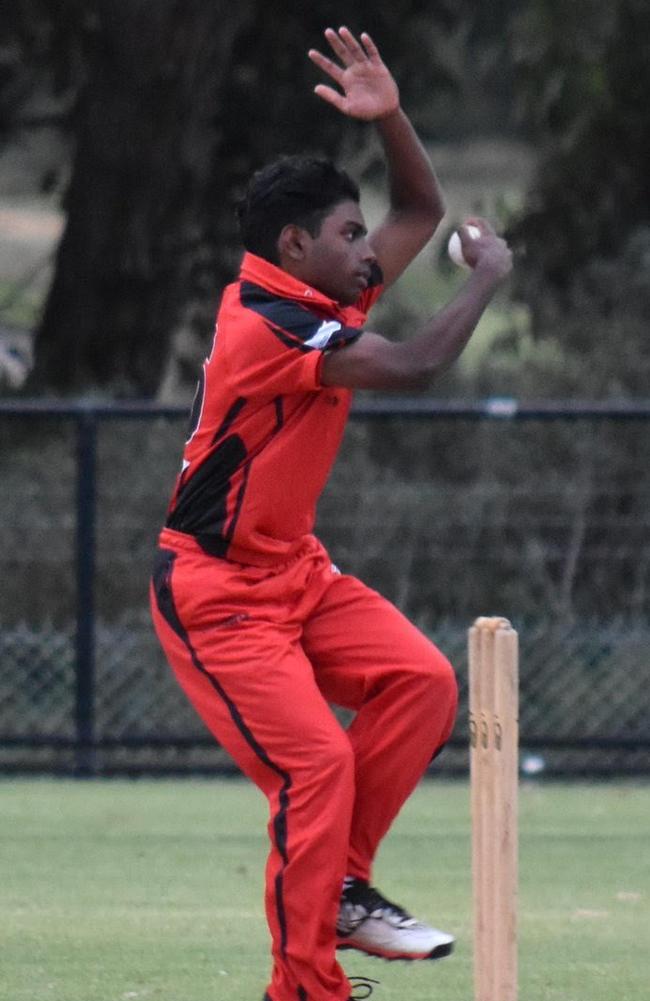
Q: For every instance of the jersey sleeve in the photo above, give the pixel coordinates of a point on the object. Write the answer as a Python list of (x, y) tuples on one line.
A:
[(279, 347)]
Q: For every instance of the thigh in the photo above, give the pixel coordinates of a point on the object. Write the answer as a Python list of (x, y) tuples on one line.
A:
[(356, 640), (247, 676), (267, 692)]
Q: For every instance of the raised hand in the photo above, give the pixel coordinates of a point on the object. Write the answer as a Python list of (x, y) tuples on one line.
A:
[(369, 90)]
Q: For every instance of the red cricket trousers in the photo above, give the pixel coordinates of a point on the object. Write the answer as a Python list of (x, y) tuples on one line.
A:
[(260, 652)]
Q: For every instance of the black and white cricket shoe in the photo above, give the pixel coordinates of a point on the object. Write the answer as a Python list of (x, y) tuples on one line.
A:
[(370, 923)]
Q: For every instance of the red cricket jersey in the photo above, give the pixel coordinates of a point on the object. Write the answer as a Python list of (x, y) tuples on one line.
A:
[(264, 433)]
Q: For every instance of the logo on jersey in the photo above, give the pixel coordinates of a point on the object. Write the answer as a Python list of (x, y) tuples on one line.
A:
[(324, 334)]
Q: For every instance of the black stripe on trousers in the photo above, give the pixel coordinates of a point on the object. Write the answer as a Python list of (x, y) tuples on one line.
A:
[(302, 995), (162, 573)]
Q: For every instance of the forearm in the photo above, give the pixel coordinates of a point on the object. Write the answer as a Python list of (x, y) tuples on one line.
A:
[(443, 339), (376, 363), (413, 185)]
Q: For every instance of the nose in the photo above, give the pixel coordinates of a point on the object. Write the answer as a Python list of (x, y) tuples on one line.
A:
[(367, 253)]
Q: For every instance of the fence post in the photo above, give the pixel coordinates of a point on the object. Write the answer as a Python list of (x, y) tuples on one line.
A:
[(85, 570)]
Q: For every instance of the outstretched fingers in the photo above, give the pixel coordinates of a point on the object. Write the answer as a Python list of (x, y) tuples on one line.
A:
[(331, 95), (337, 46), (332, 69), (348, 49), (354, 52), (369, 90), (372, 51)]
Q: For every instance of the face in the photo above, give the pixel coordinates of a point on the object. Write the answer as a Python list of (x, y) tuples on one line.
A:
[(338, 260)]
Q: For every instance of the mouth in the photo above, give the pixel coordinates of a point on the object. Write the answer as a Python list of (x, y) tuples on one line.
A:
[(363, 278)]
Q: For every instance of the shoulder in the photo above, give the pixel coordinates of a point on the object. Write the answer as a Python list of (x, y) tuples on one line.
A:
[(291, 322), (273, 308)]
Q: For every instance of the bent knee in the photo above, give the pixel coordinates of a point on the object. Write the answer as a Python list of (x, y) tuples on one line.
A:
[(438, 679), (330, 760)]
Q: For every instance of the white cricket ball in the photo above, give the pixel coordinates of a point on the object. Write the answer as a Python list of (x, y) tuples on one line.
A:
[(455, 249)]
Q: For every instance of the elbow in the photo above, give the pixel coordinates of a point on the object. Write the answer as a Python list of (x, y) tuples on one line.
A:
[(437, 213), (424, 213), (422, 380), (418, 379), (431, 214), (407, 371), (433, 206), (438, 206)]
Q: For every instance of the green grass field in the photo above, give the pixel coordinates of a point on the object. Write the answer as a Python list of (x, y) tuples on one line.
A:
[(152, 889)]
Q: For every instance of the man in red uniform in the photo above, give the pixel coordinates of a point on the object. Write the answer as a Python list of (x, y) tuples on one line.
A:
[(261, 629)]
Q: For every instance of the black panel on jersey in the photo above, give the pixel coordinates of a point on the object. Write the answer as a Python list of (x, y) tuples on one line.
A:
[(229, 418), (201, 503), (197, 404), (201, 500), (218, 545), (290, 322)]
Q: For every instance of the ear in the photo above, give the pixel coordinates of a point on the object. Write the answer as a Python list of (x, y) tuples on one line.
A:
[(293, 243)]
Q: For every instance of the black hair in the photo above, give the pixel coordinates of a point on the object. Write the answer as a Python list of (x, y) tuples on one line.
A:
[(294, 189)]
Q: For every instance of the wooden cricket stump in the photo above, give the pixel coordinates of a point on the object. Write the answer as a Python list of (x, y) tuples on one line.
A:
[(494, 771)]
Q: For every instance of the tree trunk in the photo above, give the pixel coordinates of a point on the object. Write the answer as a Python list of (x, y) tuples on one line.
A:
[(136, 251), (182, 100)]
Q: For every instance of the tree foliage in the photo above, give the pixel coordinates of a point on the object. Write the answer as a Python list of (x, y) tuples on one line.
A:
[(171, 106), (584, 75)]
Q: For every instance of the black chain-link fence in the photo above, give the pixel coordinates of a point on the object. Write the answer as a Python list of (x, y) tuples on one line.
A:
[(539, 514)]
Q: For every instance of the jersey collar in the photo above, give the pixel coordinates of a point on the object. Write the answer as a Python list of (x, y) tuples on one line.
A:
[(273, 279)]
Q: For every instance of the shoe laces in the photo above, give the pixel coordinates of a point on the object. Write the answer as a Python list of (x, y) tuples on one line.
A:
[(361, 901), (378, 907), (362, 987)]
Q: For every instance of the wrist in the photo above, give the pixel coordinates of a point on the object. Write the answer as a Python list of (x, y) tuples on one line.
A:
[(492, 269), (392, 114)]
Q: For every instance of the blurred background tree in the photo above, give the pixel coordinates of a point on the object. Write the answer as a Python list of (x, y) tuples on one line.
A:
[(583, 72), (161, 109), (168, 107)]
